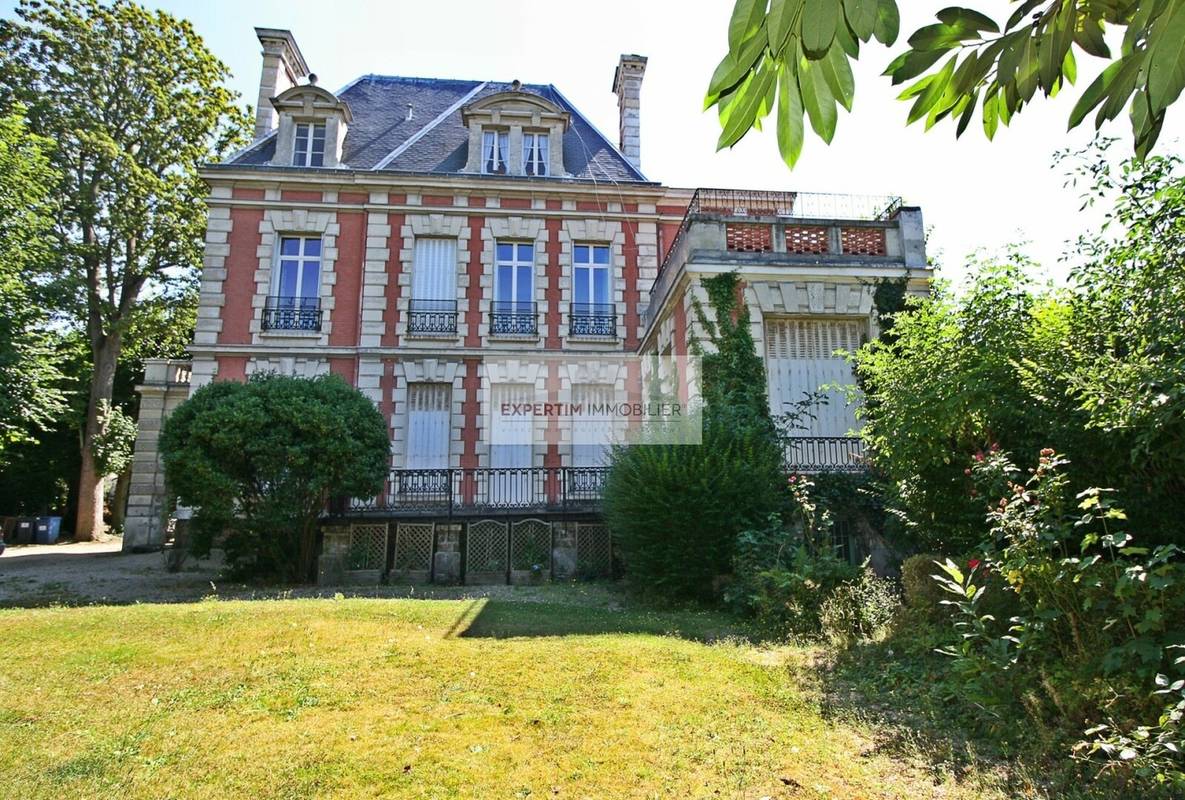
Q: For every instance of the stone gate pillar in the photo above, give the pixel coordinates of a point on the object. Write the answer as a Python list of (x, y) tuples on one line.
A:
[(166, 386)]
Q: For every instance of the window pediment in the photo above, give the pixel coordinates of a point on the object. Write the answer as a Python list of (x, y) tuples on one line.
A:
[(311, 101), (521, 108)]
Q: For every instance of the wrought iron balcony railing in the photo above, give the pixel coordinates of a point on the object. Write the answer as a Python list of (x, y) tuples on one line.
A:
[(485, 490), (291, 314), (513, 318), (825, 454), (432, 316), (593, 319)]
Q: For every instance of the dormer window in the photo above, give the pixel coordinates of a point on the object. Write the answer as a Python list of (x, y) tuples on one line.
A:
[(495, 149), (535, 153), (309, 147)]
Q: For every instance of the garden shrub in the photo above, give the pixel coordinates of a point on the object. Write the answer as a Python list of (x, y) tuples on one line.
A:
[(921, 592), (859, 609), (259, 460), (675, 510), (1093, 650)]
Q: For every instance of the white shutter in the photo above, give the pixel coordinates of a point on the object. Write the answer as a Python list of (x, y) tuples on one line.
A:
[(800, 359), (591, 434), (434, 275), (511, 441), (429, 423)]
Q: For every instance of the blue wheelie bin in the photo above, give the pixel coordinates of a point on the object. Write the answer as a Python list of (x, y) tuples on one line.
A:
[(48, 529)]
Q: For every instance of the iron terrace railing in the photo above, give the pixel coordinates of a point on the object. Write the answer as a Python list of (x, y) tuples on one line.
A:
[(593, 319), (282, 313), (810, 454), (432, 316), (485, 490), (513, 318)]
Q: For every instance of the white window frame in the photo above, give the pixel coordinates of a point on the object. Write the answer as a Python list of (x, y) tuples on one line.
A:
[(515, 262), (312, 132), (301, 260), (536, 150), (495, 151), (586, 271)]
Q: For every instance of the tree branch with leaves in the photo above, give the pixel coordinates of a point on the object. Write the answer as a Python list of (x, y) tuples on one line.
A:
[(794, 57)]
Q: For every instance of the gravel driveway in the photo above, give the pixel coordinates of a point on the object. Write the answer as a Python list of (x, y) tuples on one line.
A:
[(98, 573)]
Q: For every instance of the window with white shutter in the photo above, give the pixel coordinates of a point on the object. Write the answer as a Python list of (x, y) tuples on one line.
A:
[(801, 359), (429, 424)]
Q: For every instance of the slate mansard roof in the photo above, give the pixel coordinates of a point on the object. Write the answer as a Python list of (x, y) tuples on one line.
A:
[(439, 140)]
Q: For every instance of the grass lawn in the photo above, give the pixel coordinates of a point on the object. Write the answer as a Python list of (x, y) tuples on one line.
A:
[(365, 698)]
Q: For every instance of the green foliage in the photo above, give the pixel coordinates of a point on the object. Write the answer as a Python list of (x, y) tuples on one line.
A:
[(1097, 627), (946, 386), (794, 55), (1097, 370), (674, 509), (134, 103), (112, 449), (922, 594), (31, 396), (261, 459), (789, 578)]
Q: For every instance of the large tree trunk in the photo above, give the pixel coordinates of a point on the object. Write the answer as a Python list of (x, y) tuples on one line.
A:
[(89, 524)]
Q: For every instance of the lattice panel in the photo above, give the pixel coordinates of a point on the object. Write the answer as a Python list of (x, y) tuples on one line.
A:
[(594, 554), (413, 547), (368, 546), (864, 241), (485, 549), (748, 237), (813, 338), (806, 239), (530, 545)]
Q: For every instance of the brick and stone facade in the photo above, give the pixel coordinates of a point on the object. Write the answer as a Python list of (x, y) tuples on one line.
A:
[(455, 162)]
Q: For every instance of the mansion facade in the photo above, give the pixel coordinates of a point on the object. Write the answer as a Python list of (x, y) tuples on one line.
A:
[(430, 240)]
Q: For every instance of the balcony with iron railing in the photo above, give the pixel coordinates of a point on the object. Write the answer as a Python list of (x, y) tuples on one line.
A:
[(432, 317), (814, 454), (282, 313), (492, 490), (598, 320), (514, 319), (737, 228)]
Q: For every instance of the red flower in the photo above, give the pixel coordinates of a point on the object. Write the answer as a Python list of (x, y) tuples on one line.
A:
[(973, 563)]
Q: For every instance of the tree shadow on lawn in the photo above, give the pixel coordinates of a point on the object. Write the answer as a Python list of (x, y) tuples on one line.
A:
[(896, 687), (507, 619)]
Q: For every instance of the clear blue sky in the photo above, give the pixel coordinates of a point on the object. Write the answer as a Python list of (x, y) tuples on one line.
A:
[(973, 194)]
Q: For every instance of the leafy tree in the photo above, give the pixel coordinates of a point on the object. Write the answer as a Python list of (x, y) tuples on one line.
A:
[(260, 460), (1096, 371), (794, 55), (135, 103), (30, 381)]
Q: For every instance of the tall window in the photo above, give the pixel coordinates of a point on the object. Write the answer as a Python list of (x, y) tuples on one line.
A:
[(310, 145), (434, 276), (535, 153), (494, 149), (590, 287), (515, 282), (592, 429), (429, 421), (433, 306), (298, 280)]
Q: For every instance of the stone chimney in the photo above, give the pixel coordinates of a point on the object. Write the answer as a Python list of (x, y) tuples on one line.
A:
[(283, 67), (627, 85)]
